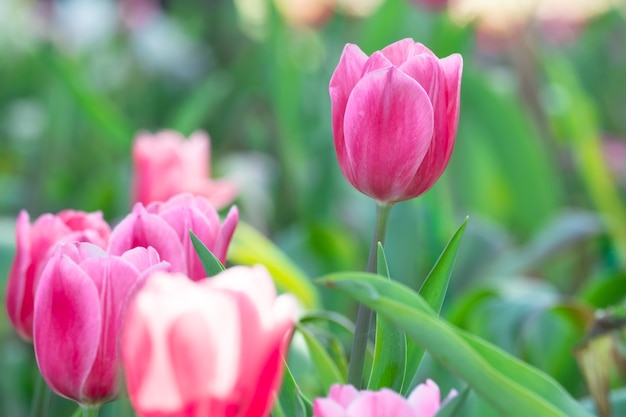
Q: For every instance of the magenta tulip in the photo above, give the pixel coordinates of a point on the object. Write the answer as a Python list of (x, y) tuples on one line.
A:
[(395, 116), (33, 244), (79, 306), (211, 348), (166, 164), (166, 226), (346, 401)]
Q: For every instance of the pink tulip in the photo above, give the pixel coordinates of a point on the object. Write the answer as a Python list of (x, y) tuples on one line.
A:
[(166, 164), (212, 348), (166, 226), (346, 401), (33, 243), (79, 306), (395, 116)]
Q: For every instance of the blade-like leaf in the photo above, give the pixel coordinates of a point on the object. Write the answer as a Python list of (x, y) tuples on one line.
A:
[(212, 266), (290, 399), (433, 291), (250, 247), (511, 386), (328, 371), (389, 361)]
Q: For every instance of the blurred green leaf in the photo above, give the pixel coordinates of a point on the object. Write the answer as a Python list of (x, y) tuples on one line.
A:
[(102, 113), (202, 103), (508, 384), (388, 366), (212, 266), (249, 247), (327, 369)]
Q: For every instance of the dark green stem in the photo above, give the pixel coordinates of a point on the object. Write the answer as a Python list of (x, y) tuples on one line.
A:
[(41, 398), (364, 314)]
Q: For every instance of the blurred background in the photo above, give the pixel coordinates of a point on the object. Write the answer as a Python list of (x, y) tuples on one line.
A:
[(539, 165)]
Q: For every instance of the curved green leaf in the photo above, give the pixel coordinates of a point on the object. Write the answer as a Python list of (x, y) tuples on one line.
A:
[(212, 266), (328, 371), (511, 386)]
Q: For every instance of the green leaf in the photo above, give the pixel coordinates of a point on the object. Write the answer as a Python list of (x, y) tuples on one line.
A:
[(389, 361), (78, 412), (250, 247), (328, 371), (212, 266), (433, 291), (453, 407), (511, 386), (291, 402)]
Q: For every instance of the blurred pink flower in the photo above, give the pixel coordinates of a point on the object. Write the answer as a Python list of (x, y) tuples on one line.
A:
[(346, 401), (208, 348), (395, 116), (79, 306), (165, 226), (33, 247), (166, 164)]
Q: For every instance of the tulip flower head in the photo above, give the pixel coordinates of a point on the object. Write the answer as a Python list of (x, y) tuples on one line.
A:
[(165, 227), (166, 164), (33, 249), (346, 401), (79, 306), (209, 348), (395, 116)]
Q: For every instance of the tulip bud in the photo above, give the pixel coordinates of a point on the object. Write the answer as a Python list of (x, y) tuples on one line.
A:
[(166, 164), (395, 116), (79, 306), (33, 243), (208, 348), (346, 401), (166, 226)]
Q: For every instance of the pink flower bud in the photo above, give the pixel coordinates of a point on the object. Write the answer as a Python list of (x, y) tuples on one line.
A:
[(346, 401), (33, 243), (395, 116), (166, 164), (166, 226), (208, 348), (79, 306)]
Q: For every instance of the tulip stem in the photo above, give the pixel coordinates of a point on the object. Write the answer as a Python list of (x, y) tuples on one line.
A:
[(90, 410), (364, 314), (41, 397)]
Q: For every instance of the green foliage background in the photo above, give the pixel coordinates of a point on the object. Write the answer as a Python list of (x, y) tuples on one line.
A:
[(545, 245)]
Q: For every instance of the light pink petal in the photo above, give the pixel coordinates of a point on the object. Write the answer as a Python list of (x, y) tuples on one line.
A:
[(388, 129), (343, 394), (425, 399), (326, 407), (219, 192), (195, 154), (452, 67), (384, 403), (67, 326), (343, 80)]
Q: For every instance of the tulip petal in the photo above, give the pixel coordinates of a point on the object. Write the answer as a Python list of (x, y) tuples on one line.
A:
[(399, 51), (343, 80), (452, 67), (388, 129), (325, 407), (425, 399), (66, 326), (143, 229), (375, 62), (225, 235), (384, 403), (343, 394)]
